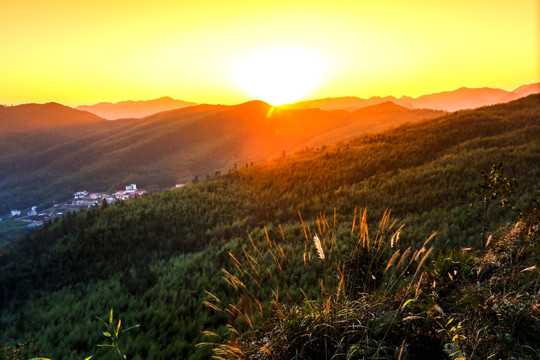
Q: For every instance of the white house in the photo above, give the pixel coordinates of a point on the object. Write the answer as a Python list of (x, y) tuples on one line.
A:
[(131, 188), (80, 194), (15, 212)]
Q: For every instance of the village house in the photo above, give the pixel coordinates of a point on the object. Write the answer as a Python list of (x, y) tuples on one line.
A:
[(80, 194), (131, 188), (33, 211)]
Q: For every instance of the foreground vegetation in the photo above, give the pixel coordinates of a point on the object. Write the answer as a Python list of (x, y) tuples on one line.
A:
[(152, 259), (387, 301)]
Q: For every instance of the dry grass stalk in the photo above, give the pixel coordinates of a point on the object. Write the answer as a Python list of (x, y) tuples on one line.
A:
[(233, 309), (210, 334), (392, 260), (318, 246), (335, 215), (282, 233), (275, 259), (490, 237), (404, 256), (212, 306), (417, 291), (419, 252), (239, 266), (229, 351), (254, 268), (232, 280), (422, 263), (260, 308), (265, 350), (395, 238), (205, 344), (429, 239), (354, 220), (232, 329), (267, 237), (281, 251), (327, 306), (214, 357), (341, 285), (214, 297), (249, 258), (303, 226), (384, 221), (255, 246), (401, 350), (383, 229), (530, 268), (364, 232)]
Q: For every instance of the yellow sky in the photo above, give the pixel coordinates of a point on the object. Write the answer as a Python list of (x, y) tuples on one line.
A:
[(83, 52)]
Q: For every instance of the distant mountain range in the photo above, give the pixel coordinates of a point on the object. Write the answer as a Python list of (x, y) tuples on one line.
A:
[(134, 109), (463, 98), (51, 159)]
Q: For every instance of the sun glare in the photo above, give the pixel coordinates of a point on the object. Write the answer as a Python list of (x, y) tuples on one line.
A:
[(279, 75)]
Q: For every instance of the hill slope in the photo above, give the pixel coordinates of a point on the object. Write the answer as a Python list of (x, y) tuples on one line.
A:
[(152, 258), (42, 117), (166, 148)]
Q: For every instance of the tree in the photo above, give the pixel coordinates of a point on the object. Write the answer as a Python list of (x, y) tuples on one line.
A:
[(494, 189)]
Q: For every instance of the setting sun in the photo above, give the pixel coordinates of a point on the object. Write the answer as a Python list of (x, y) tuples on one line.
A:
[(279, 75)]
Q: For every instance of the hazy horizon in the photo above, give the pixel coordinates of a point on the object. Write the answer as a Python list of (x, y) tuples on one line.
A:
[(105, 101), (276, 51)]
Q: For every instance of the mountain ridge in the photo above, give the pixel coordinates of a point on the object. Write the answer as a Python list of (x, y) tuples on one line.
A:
[(134, 108), (462, 98), (32, 117)]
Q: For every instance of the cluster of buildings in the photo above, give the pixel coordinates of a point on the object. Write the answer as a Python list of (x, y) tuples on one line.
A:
[(81, 199), (32, 217), (84, 198)]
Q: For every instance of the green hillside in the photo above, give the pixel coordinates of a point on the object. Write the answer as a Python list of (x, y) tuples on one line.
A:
[(152, 259)]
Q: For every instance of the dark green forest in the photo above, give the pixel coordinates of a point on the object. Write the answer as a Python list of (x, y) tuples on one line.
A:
[(232, 259)]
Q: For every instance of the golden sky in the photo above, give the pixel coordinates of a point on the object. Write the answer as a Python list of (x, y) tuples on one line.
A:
[(83, 52)]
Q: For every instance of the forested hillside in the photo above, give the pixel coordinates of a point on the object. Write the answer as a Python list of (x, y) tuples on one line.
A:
[(57, 150), (153, 259)]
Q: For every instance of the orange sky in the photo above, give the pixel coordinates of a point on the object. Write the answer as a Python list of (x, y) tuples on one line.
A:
[(83, 52)]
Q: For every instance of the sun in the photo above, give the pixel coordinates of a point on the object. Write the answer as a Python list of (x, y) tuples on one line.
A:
[(279, 75)]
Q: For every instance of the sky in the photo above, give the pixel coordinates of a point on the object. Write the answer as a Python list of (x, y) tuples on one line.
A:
[(228, 52)]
